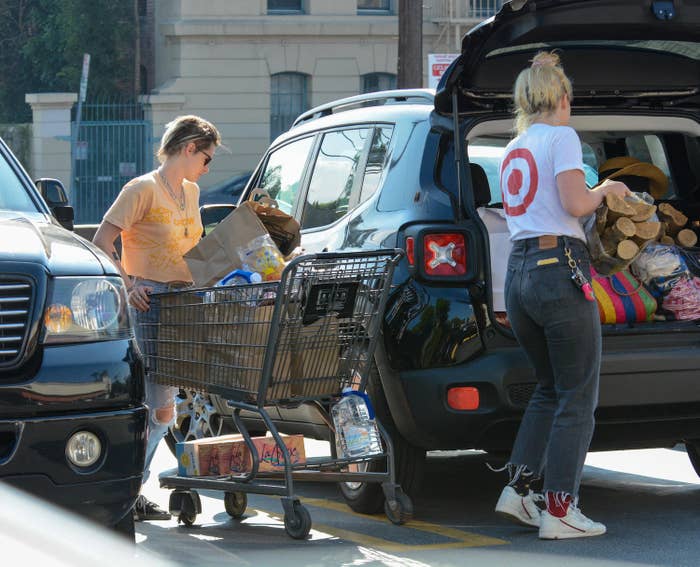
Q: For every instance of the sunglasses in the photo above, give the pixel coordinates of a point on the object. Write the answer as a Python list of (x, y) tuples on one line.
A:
[(207, 160)]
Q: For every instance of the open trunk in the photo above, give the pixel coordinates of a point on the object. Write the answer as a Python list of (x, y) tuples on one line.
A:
[(670, 142)]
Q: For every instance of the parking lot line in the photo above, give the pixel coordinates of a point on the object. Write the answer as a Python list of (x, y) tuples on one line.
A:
[(461, 538)]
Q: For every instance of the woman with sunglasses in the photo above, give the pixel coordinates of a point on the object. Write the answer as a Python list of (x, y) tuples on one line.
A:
[(157, 217)]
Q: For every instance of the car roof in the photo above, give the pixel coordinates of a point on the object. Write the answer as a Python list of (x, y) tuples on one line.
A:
[(411, 110)]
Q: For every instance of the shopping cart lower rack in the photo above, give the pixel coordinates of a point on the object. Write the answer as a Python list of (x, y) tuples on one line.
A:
[(300, 340)]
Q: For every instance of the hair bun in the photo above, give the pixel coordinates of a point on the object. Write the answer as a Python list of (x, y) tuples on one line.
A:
[(545, 59)]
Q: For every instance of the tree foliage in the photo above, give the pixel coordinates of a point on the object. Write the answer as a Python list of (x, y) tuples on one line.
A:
[(42, 44)]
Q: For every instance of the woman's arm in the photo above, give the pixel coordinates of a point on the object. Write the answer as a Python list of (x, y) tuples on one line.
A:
[(578, 200), (104, 239)]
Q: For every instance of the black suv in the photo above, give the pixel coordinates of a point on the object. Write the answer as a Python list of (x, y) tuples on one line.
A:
[(419, 171), (72, 418)]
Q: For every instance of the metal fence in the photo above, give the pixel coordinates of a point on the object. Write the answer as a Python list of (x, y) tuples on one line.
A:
[(112, 146)]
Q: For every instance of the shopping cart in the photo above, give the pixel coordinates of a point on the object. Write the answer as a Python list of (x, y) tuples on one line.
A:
[(300, 340)]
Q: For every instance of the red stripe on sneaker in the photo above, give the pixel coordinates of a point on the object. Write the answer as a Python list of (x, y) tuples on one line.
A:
[(572, 527), (522, 503)]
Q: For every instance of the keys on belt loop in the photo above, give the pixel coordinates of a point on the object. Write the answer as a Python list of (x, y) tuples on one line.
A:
[(577, 276)]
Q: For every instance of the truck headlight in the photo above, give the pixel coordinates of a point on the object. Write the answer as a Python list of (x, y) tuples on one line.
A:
[(86, 310)]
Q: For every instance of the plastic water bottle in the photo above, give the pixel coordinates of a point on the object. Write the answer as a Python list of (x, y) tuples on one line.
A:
[(356, 433)]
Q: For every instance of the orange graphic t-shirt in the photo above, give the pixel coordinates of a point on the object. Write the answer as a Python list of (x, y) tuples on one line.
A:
[(155, 232)]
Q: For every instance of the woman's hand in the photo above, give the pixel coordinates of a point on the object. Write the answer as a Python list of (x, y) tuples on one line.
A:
[(617, 188), (138, 297)]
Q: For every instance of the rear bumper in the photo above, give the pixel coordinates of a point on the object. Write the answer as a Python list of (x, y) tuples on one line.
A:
[(649, 398)]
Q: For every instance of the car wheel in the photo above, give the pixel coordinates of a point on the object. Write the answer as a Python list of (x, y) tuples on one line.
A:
[(368, 498), (196, 417), (693, 449)]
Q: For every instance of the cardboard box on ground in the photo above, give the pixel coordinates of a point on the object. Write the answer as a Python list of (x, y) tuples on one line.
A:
[(224, 342), (229, 454)]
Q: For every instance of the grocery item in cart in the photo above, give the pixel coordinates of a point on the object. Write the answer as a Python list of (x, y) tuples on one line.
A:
[(356, 433)]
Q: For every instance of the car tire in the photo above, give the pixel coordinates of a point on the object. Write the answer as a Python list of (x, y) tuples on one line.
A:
[(368, 498), (693, 448), (126, 528)]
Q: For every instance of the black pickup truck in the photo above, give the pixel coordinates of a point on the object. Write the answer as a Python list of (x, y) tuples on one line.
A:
[(72, 417)]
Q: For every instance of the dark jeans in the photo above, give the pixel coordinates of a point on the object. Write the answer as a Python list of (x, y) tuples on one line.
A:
[(561, 335)]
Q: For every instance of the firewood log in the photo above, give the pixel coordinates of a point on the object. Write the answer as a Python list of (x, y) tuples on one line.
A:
[(622, 229), (627, 249), (667, 240), (672, 217), (648, 230), (617, 207), (686, 238), (644, 211)]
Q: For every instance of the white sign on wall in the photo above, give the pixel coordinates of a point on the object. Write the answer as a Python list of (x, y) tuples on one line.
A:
[(437, 65)]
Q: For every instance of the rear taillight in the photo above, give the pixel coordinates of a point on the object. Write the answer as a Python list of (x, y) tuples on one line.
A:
[(444, 254)]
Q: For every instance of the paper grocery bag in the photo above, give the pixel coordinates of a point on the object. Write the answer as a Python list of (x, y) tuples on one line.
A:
[(216, 255), (283, 228)]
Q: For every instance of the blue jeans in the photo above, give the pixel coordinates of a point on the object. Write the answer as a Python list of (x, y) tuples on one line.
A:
[(560, 332), (157, 395)]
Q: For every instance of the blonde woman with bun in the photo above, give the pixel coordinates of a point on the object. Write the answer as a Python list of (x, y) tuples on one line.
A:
[(550, 303), (157, 217)]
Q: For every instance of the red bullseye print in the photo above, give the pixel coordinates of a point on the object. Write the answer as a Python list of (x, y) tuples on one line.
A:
[(519, 178), (515, 181)]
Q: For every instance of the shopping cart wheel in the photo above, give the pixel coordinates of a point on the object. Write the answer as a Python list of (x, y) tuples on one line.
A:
[(190, 505), (236, 503), (399, 510), (298, 525)]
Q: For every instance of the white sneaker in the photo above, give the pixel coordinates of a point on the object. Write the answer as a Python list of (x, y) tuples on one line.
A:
[(573, 525), (520, 509)]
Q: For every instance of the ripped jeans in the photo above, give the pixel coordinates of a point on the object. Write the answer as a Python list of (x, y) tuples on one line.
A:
[(158, 397), (560, 332)]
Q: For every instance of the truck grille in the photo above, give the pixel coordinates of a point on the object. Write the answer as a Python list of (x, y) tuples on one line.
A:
[(15, 306)]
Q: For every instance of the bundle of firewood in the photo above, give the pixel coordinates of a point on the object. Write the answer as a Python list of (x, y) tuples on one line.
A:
[(625, 225)]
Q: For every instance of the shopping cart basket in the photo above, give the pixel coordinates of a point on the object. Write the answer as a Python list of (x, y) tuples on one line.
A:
[(302, 339)]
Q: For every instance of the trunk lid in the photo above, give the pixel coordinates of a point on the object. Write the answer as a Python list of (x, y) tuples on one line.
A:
[(617, 52)]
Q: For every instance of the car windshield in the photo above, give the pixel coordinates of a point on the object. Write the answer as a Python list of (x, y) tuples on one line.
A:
[(13, 195)]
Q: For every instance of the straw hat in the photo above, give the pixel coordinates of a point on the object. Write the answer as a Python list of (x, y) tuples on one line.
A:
[(637, 175)]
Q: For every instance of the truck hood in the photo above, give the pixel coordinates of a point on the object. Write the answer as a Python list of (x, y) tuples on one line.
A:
[(31, 237), (617, 52)]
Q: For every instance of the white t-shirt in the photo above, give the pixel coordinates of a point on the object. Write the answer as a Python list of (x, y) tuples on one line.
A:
[(528, 169)]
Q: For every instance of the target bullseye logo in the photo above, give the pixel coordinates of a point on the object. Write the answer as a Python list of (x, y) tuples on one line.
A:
[(519, 180)]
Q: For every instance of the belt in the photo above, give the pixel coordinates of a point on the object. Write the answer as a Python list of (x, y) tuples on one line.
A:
[(549, 241)]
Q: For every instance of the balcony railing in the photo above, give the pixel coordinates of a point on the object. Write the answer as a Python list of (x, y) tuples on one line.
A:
[(460, 11)]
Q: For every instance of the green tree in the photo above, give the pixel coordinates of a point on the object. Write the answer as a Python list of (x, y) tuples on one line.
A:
[(42, 44)]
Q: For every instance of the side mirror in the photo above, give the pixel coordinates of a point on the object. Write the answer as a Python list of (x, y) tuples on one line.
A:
[(52, 191), (213, 215), (56, 198)]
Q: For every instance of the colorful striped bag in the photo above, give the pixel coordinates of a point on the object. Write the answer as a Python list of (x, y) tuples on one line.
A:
[(622, 298)]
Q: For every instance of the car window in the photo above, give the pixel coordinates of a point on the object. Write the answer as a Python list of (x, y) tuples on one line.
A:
[(650, 149), (376, 161), (487, 153), (283, 172), (335, 176), (13, 196)]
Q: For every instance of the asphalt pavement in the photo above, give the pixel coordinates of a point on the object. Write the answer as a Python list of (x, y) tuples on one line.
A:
[(649, 499)]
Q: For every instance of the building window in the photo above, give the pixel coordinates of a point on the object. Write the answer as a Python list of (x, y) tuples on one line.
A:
[(373, 82), (288, 99), (374, 6), (285, 6)]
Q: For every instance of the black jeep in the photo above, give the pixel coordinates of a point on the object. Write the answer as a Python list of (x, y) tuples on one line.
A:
[(419, 171)]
